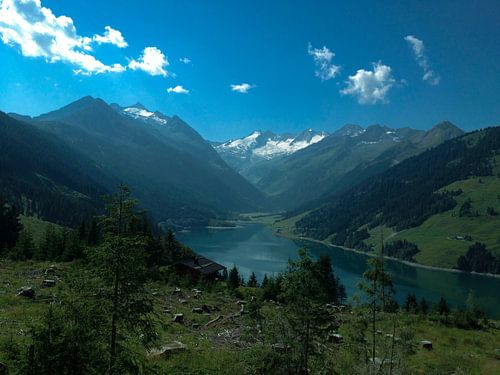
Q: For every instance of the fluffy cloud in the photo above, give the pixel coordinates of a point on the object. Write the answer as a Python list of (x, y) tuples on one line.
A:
[(178, 90), (322, 57), (39, 33), (111, 36), (185, 60), (242, 88), (418, 48), (152, 61), (370, 86)]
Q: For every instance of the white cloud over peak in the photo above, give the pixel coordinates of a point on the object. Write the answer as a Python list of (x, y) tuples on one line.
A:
[(111, 36), (322, 57), (418, 48), (370, 86), (185, 60), (178, 90), (39, 33), (152, 61), (242, 88)]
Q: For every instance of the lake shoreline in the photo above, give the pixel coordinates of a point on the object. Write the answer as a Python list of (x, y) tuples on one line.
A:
[(406, 262)]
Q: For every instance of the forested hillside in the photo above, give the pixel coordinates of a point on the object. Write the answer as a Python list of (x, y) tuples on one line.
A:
[(341, 160), (410, 193), (45, 178)]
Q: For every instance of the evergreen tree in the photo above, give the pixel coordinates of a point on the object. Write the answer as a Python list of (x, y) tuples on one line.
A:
[(411, 304), (304, 313), (25, 246), (233, 281), (442, 307), (9, 225), (93, 236), (47, 249), (265, 281), (252, 281), (424, 306), (332, 290), (379, 289), (82, 231), (121, 263)]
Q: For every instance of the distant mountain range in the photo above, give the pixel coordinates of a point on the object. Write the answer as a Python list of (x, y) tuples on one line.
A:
[(88, 147), (325, 163), (442, 200), (242, 153), (174, 172)]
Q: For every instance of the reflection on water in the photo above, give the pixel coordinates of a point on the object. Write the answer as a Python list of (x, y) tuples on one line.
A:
[(254, 248)]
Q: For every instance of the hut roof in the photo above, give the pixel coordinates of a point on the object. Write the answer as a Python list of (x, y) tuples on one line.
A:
[(202, 265)]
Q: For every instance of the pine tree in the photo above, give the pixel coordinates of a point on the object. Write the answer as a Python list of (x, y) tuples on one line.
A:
[(442, 307), (9, 225), (233, 281), (121, 263), (424, 306), (93, 235), (411, 304), (25, 246), (252, 281), (379, 289)]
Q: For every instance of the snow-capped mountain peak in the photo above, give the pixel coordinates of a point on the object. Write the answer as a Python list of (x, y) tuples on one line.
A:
[(267, 145), (139, 112)]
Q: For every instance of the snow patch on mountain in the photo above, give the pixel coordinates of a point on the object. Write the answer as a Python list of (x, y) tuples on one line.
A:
[(140, 113), (266, 145)]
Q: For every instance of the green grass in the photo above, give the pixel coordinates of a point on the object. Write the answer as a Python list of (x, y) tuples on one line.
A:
[(36, 226), (437, 236), (212, 350)]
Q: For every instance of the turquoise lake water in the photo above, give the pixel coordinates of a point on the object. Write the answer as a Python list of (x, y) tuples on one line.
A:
[(255, 248)]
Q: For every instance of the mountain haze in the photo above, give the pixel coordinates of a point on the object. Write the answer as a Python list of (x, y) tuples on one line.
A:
[(345, 157), (174, 172)]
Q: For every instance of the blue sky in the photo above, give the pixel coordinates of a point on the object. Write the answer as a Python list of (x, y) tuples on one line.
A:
[(306, 64)]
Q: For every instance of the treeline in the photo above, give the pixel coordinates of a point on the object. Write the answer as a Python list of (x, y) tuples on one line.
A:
[(401, 249), (479, 259), (320, 271), (407, 194), (44, 177), (63, 244)]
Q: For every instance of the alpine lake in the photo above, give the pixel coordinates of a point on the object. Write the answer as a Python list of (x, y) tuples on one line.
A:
[(255, 248)]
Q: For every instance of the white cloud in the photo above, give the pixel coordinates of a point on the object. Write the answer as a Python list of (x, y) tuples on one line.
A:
[(322, 57), (111, 36), (370, 86), (185, 60), (39, 33), (418, 48), (178, 90), (152, 61), (242, 88)]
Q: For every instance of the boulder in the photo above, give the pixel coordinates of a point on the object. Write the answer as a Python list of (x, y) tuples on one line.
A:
[(241, 302), (195, 325), (177, 290), (183, 301), (51, 270), (48, 283), (26, 291), (197, 310), (280, 347), (169, 349), (426, 344), (178, 318), (336, 338)]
